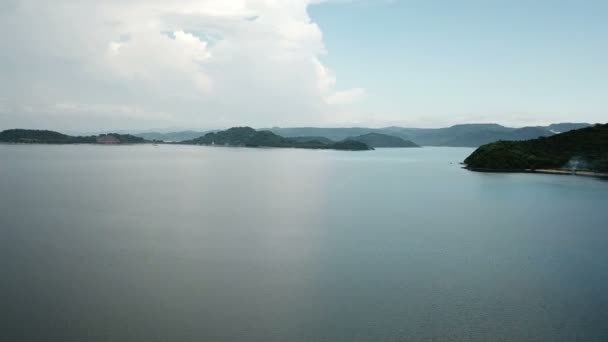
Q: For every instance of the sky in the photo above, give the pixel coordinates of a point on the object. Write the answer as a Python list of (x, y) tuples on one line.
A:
[(91, 65)]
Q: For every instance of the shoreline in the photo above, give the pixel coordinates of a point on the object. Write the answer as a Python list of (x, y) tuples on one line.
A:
[(541, 171), (150, 143)]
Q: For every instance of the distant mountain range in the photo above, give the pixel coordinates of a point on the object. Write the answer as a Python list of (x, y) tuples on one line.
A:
[(467, 135), (172, 136), (583, 149)]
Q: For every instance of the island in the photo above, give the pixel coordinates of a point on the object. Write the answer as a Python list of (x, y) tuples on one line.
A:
[(383, 140), (374, 140), (31, 136), (249, 137), (582, 151)]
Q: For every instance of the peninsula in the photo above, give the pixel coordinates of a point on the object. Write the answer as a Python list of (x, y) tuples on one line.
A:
[(583, 151)]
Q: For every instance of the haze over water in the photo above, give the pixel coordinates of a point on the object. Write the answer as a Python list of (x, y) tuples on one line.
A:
[(188, 243)]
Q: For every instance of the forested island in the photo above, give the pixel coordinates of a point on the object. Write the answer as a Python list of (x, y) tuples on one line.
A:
[(581, 150), (249, 137), (31, 136), (383, 140)]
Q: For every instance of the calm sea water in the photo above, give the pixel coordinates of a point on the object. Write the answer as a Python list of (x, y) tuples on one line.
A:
[(179, 243)]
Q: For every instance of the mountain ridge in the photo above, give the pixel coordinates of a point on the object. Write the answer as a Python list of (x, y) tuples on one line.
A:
[(462, 135)]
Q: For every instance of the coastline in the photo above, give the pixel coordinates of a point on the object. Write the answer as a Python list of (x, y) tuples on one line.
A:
[(541, 171), (150, 143)]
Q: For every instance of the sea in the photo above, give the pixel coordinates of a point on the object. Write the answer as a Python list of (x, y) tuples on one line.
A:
[(190, 243)]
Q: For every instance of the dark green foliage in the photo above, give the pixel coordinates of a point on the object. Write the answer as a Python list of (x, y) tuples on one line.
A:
[(383, 140), (236, 136), (334, 134), (249, 137), (241, 136), (34, 137), (268, 139), (584, 149), (350, 145), (30, 136), (321, 140)]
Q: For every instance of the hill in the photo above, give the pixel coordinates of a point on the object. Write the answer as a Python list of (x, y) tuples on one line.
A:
[(31, 136), (34, 136), (249, 137), (467, 135), (383, 140), (121, 138), (585, 149), (335, 134), (322, 140)]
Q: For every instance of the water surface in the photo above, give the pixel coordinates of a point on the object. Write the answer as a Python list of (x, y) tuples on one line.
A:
[(186, 243)]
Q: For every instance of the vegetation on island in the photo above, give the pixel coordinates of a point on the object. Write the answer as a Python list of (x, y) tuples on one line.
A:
[(34, 136), (383, 140), (318, 139), (249, 137), (31, 136), (370, 139), (123, 138), (584, 149)]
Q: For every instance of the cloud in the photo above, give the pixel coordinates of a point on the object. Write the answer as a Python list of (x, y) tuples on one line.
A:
[(209, 63), (346, 96)]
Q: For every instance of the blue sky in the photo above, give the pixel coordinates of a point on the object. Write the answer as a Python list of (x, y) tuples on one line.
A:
[(517, 62)]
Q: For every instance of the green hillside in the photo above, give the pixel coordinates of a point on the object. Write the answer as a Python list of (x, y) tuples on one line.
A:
[(583, 149), (383, 140), (249, 137)]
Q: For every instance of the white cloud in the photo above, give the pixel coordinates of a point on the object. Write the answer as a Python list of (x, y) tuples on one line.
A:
[(346, 96), (192, 46), (208, 63), (114, 48)]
